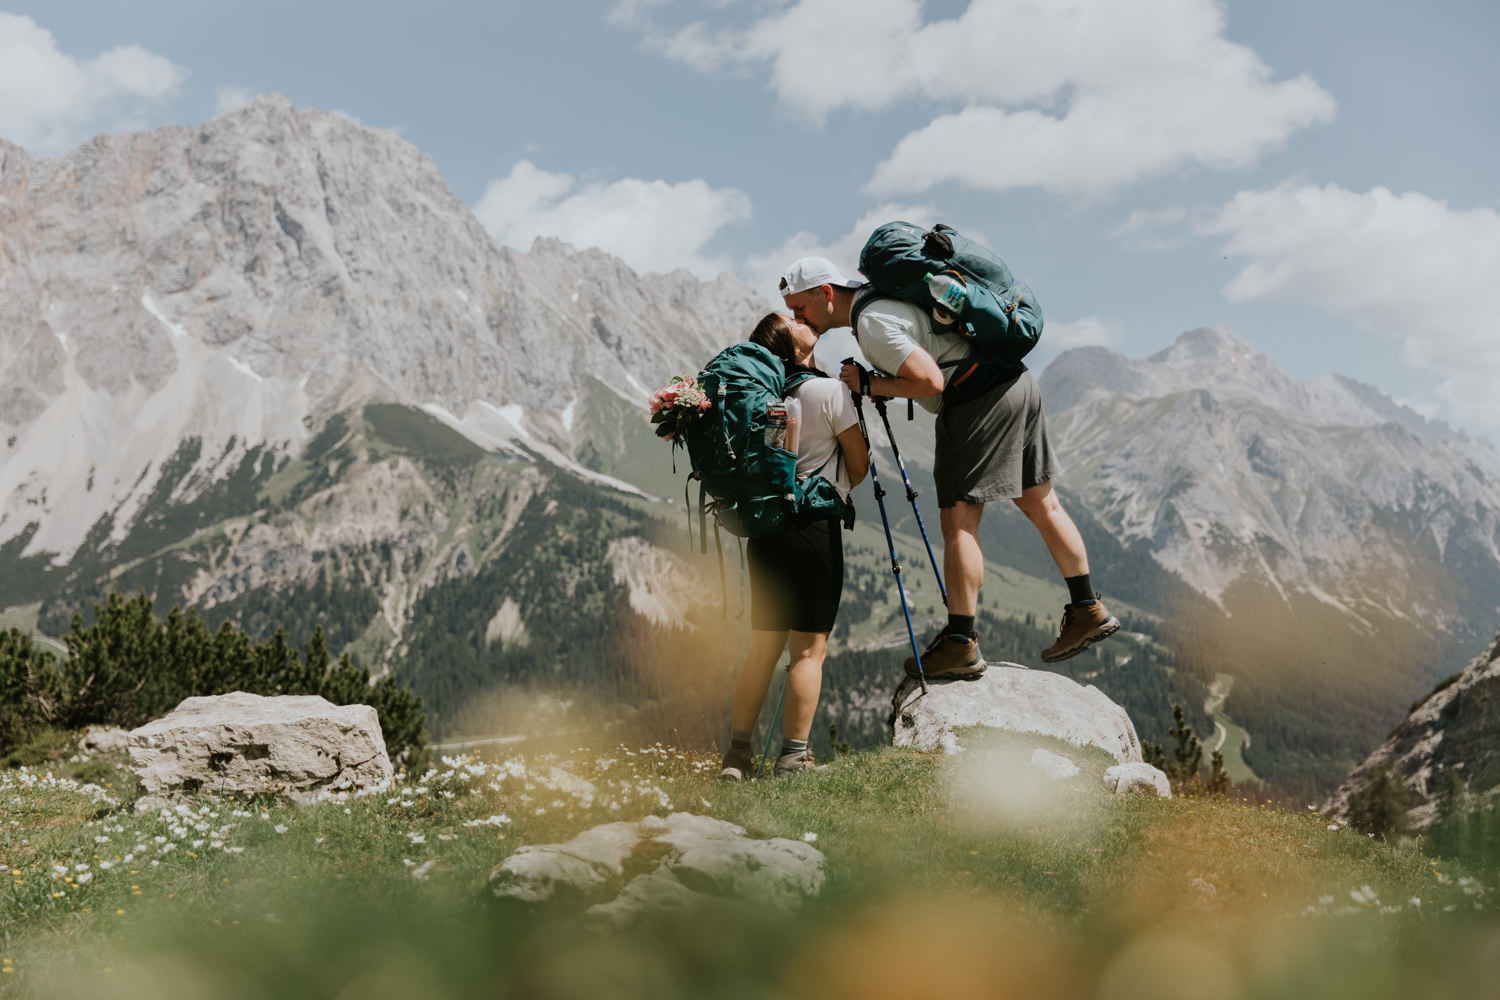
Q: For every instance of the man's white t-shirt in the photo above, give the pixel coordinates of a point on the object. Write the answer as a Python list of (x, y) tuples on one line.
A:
[(827, 411), (890, 329)]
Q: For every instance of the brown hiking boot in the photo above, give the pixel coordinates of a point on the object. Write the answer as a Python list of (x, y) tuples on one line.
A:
[(736, 766), (1082, 626), (794, 763), (948, 656)]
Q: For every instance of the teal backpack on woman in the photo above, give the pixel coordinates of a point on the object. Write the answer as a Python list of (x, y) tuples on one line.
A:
[(747, 482)]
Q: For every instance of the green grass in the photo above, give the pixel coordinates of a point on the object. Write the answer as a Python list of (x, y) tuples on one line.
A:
[(965, 875)]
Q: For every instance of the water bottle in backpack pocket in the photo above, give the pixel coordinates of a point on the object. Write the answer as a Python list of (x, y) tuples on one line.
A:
[(783, 424)]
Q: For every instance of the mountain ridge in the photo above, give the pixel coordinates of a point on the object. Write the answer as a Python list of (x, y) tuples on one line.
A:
[(223, 283)]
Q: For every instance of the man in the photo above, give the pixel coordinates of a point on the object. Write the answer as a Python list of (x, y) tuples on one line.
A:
[(990, 446)]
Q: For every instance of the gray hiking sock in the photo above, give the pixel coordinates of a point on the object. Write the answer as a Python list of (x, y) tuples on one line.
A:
[(739, 740), (792, 746)]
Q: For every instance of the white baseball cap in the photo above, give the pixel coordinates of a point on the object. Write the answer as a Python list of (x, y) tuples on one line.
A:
[(810, 272)]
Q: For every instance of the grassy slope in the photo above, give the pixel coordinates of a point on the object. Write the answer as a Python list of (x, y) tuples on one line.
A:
[(941, 881)]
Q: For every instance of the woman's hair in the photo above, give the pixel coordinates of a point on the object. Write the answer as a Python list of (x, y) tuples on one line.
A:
[(774, 333)]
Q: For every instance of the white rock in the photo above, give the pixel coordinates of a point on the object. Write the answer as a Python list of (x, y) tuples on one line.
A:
[(103, 739), (716, 857), (545, 873), (299, 746), (1122, 779), (1053, 765), (697, 858), (656, 892), (1012, 698)]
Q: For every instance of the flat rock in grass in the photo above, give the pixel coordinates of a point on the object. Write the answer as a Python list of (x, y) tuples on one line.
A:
[(1143, 778), (545, 873), (685, 857), (297, 746), (103, 739), (713, 856), (656, 892), (1012, 698), (579, 870)]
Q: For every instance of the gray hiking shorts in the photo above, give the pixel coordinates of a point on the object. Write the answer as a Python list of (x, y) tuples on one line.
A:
[(994, 446)]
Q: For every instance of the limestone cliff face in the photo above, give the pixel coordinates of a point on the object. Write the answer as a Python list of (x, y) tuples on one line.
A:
[(240, 281), (1234, 471), (1453, 731)]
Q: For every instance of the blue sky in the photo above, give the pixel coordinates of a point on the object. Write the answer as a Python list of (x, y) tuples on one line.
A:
[(1319, 177)]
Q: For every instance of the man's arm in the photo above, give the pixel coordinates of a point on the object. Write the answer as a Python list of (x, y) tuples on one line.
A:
[(918, 378)]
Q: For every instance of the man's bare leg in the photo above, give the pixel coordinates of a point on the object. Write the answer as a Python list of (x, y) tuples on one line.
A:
[(1042, 508), (963, 562), (955, 651), (1085, 619)]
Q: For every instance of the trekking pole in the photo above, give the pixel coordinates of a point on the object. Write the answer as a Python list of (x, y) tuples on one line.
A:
[(859, 411), (765, 750), (911, 497)]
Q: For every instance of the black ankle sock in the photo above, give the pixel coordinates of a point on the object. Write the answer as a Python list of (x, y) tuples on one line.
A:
[(960, 625), (739, 741), (1080, 590), (792, 746)]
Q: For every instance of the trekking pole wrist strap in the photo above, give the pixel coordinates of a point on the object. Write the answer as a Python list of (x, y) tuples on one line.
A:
[(864, 381)]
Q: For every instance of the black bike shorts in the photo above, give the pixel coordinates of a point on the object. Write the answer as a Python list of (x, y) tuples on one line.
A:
[(797, 578)]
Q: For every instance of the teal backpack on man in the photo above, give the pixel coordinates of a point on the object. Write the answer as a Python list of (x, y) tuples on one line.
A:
[(748, 483), (1001, 316)]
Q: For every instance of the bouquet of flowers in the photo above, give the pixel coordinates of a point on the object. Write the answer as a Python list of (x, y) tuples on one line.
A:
[(676, 405)]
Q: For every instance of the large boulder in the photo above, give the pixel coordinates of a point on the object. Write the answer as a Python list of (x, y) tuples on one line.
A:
[(1010, 697), (628, 870), (300, 746)]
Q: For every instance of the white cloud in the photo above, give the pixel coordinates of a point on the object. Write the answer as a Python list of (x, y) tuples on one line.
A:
[(631, 12), (1077, 98), (653, 226), (49, 100), (1405, 266), (228, 99), (1152, 230)]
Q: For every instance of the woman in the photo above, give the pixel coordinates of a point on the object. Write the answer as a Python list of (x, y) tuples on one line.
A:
[(797, 577)]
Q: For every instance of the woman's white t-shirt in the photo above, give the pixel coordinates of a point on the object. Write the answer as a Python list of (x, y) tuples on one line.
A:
[(827, 411)]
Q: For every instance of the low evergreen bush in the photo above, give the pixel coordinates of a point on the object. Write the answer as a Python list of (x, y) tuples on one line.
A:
[(127, 668)]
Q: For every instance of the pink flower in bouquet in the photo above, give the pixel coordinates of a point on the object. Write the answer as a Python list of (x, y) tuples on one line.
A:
[(677, 404)]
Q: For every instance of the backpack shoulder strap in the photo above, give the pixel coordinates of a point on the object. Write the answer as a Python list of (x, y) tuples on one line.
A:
[(862, 299), (793, 381)]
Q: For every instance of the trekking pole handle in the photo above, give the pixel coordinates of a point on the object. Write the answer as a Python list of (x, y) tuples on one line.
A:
[(864, 377)]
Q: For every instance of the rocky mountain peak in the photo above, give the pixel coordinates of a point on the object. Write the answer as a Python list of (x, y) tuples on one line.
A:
[(1233, 469), (238, 282)]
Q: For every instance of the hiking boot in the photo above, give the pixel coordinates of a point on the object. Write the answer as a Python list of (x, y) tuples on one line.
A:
[(1082, 626), (949, 656), (737, 766), (794, 763)]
